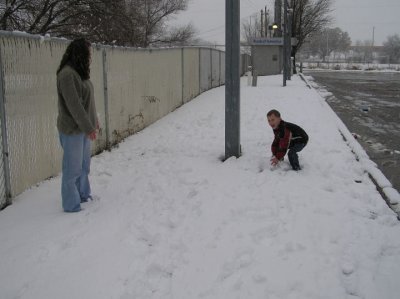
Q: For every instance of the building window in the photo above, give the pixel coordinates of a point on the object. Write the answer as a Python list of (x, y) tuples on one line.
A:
[(274, 57)]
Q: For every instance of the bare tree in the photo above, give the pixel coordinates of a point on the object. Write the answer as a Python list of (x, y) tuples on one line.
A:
[(358, 51), (140, 23), (107, 22), (121, 22), (251, 29), (363, 51), (391, 48), (329, 40), (9, 18), (174, 36), (41, 16), (150, 19), (367, 50), (344, 42), (308, 17)]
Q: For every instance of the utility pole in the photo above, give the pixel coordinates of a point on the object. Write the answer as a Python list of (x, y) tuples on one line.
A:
[(232, 79), (250, 23), (289, 48), (266, 21), (327, 44), (371, 56), (278, 18), (373, 36), (285, 43), (262, 23)]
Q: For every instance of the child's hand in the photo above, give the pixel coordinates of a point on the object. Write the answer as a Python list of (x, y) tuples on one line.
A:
[(274, 161)]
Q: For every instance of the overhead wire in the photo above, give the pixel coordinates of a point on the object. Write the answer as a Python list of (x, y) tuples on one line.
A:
[(223, 26), (252, 4), (216, 30)]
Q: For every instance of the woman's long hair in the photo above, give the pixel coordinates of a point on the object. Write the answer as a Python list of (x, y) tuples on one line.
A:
[(77, 56)]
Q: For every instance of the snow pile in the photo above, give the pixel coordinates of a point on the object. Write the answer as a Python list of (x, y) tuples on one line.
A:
[(391, 193), (352, 67), (173, 221)]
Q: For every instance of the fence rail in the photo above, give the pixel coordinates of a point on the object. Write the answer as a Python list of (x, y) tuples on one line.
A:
[(133, 89)]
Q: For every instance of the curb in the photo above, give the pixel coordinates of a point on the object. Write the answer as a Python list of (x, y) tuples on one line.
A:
[(383, 185)]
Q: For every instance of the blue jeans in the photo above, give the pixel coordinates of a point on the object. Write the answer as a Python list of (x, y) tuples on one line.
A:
[(293, 157), (75, 187)]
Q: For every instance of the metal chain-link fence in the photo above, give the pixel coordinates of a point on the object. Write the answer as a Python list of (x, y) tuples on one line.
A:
[(133, 89)]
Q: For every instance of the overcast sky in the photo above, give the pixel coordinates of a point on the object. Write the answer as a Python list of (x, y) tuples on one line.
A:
[(357, 17)]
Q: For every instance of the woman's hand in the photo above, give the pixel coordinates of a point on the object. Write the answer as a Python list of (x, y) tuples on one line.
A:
[(92, 136)]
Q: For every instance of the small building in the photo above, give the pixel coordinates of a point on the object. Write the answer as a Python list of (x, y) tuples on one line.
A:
[(267, 55)]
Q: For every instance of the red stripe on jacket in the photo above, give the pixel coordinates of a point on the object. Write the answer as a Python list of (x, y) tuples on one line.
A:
[(280, 145)]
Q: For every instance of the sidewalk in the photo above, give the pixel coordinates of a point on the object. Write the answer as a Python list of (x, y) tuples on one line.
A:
[(173, 221)]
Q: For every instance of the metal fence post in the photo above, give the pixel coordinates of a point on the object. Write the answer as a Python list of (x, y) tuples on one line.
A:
[(285, 43), (106, 108), (6, 161), (199, 70), (289, 42), (220, 68), (183, 75), (211, 68)]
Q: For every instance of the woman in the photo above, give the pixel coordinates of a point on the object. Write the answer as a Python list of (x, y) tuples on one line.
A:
[(76, 123)]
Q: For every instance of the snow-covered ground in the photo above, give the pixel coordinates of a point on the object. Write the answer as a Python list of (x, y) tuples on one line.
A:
[(173, 221)]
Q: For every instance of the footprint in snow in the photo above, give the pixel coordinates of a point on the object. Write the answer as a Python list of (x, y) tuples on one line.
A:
[(241, 261)]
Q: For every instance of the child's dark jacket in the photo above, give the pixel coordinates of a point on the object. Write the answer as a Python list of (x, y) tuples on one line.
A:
[(286, 135)]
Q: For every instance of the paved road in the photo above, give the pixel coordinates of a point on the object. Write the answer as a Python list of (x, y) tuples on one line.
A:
[(369, 105)]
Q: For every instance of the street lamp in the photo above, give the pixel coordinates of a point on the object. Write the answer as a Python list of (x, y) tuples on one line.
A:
[(287, 42), (271, 28)]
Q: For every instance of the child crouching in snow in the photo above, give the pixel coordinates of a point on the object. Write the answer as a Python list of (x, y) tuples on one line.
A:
[(288, 136)]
